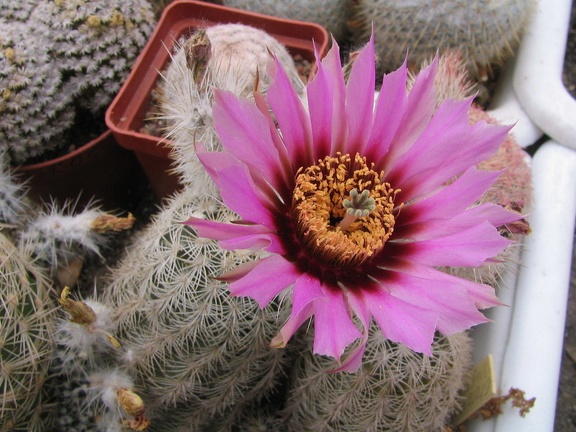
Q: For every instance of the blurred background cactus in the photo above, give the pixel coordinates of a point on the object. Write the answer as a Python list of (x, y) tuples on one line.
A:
[(61, 63), (330, 14), (486, 32)]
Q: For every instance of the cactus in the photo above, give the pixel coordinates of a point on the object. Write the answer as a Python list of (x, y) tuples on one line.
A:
[(198, 354), (90, 392), (330, 14), (16, 10), (27, 314), (64, 64), (228, 57), (486, 32), (395, 389), (61, 237)]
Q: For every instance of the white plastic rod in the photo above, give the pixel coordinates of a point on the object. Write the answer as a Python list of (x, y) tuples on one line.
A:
[(538, 72), (534, 350), (506, 108)]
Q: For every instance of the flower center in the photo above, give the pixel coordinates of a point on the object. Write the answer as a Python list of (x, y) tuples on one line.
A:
[(342, 211)]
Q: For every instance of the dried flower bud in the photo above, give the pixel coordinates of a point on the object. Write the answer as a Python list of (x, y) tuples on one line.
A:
[(130, 402), (133, 405), (108, 222), (198, 51), (80, 312)]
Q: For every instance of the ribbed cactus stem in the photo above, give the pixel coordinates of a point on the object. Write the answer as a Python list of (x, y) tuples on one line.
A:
[(486, 32), (27, 315), (198, 354), (14, 205), (395, 389)]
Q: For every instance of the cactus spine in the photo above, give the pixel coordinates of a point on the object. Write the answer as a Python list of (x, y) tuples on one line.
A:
[(198, 354), (27, 314), (232, 57), (486, 32), (395, 389)]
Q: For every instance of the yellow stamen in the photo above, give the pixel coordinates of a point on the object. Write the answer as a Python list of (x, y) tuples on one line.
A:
[(342, 210)]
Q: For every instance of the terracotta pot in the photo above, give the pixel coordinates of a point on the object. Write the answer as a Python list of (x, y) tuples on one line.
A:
[(125, 116), (101, 170)]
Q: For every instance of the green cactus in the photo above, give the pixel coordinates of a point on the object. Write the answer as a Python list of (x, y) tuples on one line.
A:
[(198, 354), (64, 63), (395, 388), (227, 57), (485, 31), (27, 316), (330, 14)]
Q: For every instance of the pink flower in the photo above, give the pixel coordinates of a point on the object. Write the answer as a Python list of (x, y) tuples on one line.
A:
[(356, 204)]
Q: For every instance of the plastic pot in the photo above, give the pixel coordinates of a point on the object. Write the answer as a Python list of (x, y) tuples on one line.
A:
[(100, 171), (126, 115)]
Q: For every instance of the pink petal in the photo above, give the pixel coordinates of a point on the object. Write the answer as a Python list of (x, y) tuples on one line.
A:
[(493, 213), (483, 295), (307, 289), (294, 323), (470, 248), (402, 322), (333, 68), (232, 236), (292, 118), (417, 111), (450, 200), (320, 104), (333, 327), (447, 147), (237, 189), (239, 271), (224, 231), (264, 281), (245, 133), (389, 114), (360, 99), (354, 359), (456, 309), (286, 166)]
